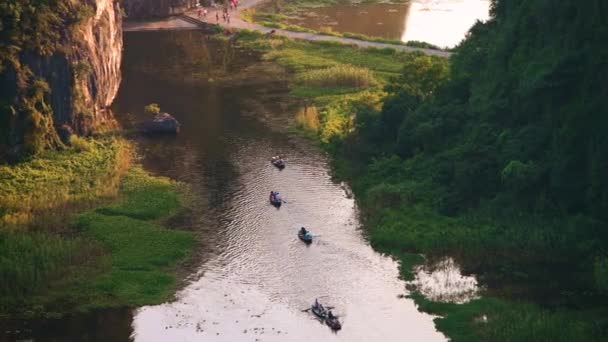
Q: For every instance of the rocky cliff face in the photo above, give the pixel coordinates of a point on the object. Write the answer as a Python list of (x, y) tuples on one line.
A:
[(139, 9), (64, 81), (100, 46)]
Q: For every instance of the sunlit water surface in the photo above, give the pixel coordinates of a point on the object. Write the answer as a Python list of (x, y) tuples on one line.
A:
[(440, 22), (252, 278), (257, 277)]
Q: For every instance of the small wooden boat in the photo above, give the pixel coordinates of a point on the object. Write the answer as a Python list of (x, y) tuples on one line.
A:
[(278, 162), (333, 323), (275, 199), (306, 237), (319, 311)]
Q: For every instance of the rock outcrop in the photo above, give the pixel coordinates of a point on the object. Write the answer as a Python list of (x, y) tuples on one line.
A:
[(66, 75), (141, 9), (163, 123)]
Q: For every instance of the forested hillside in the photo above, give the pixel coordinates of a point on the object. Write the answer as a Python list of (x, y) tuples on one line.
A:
[(502, 161)]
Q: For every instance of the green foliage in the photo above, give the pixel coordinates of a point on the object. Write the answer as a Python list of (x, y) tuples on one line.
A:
[(142, 253), (29, 262), (116, 256), (421, 76), (600, 272), (80, 144), (82, 69), (29, 27), (45, 187), (422, 45), (152, 109), (491, 319), (338, 76)]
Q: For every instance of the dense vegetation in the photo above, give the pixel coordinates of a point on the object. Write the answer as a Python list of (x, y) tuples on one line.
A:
[(31, 28), (56, 257), (500, 162), (497, 159)]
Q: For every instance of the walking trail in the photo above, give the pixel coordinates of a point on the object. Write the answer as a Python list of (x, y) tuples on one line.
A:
[(237, 22)]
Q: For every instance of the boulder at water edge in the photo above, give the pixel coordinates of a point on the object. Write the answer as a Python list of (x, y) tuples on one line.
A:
[(163, 123)]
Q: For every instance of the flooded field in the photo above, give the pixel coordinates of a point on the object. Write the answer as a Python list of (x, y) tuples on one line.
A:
[(440, 22)]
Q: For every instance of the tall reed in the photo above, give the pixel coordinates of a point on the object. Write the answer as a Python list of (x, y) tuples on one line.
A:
[(341, 75)]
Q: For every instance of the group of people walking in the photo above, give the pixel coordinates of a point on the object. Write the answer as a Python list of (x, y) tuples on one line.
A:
[(232, 5)]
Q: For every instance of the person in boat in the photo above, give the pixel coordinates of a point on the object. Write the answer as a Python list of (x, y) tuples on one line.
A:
[(330, 315), (272, 195), (303, 231)]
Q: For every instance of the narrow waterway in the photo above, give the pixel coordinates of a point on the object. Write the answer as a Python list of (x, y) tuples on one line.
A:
[(256, 276), (252, 277)]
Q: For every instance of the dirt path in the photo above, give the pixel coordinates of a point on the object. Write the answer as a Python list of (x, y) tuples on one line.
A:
[(238, 23)]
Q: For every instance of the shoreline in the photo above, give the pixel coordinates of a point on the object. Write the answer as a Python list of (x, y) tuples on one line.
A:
[(190, 21)]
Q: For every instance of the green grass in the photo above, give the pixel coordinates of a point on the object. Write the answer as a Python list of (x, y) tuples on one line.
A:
[(29, 261), (493, 319), (266, 16), (315, 92), (299, 56), (142, 251), (342, 75), (45, 188), (148, 198), (119, 254)]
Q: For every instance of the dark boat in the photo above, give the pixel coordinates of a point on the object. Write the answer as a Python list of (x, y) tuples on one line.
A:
[(319, 311), (306, 237), (278, 162), (275, 199), (333, 323)]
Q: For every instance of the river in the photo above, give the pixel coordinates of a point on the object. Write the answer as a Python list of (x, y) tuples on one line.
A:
[(258, 276), (253, 277)]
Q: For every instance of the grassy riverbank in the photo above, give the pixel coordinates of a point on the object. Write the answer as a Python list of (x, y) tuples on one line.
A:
[(82, 229), (376, 113)]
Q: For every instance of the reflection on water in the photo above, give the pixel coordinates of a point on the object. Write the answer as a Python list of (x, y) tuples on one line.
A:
[(257, 276), (377, 20), (443, 282), (440, 22), (443, 22)]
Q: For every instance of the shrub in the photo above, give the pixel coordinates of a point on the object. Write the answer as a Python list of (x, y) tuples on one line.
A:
[(308, 118), (80, 144), (342, 75), (152, 108)]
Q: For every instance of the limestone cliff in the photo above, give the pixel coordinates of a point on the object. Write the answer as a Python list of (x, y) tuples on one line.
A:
[(59, 70), (139, 9)]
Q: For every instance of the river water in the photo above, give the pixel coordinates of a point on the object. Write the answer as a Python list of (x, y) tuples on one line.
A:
[(253, 277), (257, 276)]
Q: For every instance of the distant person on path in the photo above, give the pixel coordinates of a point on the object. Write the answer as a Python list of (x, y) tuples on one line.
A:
[(228, 18), (217, 16), (200, 13), (205, 13)]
